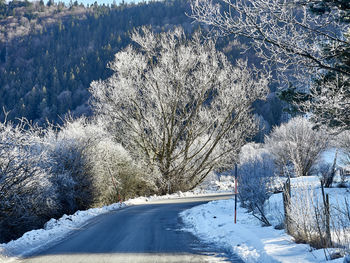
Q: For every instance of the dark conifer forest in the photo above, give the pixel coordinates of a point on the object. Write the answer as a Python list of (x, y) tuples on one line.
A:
[(47, 64), (50, 53)]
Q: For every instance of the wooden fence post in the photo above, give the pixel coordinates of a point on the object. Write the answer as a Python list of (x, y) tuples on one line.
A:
[(328, 219), (236, 193), (328, 237), (286, 205)]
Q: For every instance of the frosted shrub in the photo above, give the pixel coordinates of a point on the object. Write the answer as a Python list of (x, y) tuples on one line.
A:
[(256, 172), (116, 176), (296, 144), (70, 165), (90, 168), (326, 173), (46, 173), (26, 199)]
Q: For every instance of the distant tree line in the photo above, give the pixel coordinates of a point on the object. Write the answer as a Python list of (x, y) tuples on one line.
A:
[(46, 73), (48, 62)]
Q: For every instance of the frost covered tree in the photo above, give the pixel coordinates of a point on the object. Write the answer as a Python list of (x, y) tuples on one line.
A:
[(303, 40), (328, 102), (178, 105), (256, 173), (289, 34), (296, 144), (26, 192)]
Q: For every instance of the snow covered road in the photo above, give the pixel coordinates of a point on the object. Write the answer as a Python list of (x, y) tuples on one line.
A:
[(142, 233)]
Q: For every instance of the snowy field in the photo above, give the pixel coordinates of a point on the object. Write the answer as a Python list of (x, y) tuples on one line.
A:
[(213, 222)]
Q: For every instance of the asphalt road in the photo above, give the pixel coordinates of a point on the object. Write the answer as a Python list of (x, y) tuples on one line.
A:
[(142, 233)]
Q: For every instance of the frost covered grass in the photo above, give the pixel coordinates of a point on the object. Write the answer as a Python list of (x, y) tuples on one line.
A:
[(308, 221), (214, 222)]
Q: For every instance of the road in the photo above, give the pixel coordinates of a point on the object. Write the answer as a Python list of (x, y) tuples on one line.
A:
[(142, 233)]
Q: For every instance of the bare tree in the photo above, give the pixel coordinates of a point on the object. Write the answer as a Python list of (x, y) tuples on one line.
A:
[(178, 105), (284, 33), (296, 143)]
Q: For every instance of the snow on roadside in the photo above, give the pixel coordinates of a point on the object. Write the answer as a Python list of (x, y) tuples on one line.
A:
[(213, 222), (56, 229), (196, 192), (53, 231)]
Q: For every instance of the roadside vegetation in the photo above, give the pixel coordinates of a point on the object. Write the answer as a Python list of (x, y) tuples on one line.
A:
[(174, 110), (308, 41), (171, 108), (46, 173), (313, 208)]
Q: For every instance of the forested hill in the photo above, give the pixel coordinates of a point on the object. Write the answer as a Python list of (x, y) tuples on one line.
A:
[(49, 54)]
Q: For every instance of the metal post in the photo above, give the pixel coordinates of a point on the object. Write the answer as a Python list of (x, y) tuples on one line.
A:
[(235, 193)]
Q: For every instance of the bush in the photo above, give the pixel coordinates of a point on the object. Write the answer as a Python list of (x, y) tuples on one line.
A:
[(256, 172), (69, 162), (47, 173), (296, 144), (115, 175), (25, 187), (91, 168)]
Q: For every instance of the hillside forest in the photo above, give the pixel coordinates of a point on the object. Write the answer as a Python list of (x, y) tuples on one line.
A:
[(49, 54)]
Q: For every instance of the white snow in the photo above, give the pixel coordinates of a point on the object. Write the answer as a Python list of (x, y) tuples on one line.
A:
[(328, 155), (214, 222)]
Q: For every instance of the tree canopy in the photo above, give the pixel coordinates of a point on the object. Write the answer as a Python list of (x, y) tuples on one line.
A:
[(178, 104), (306, 41)]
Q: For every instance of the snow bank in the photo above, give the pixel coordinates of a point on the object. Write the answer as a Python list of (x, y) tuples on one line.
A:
[(213, 222), (179, 194)]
